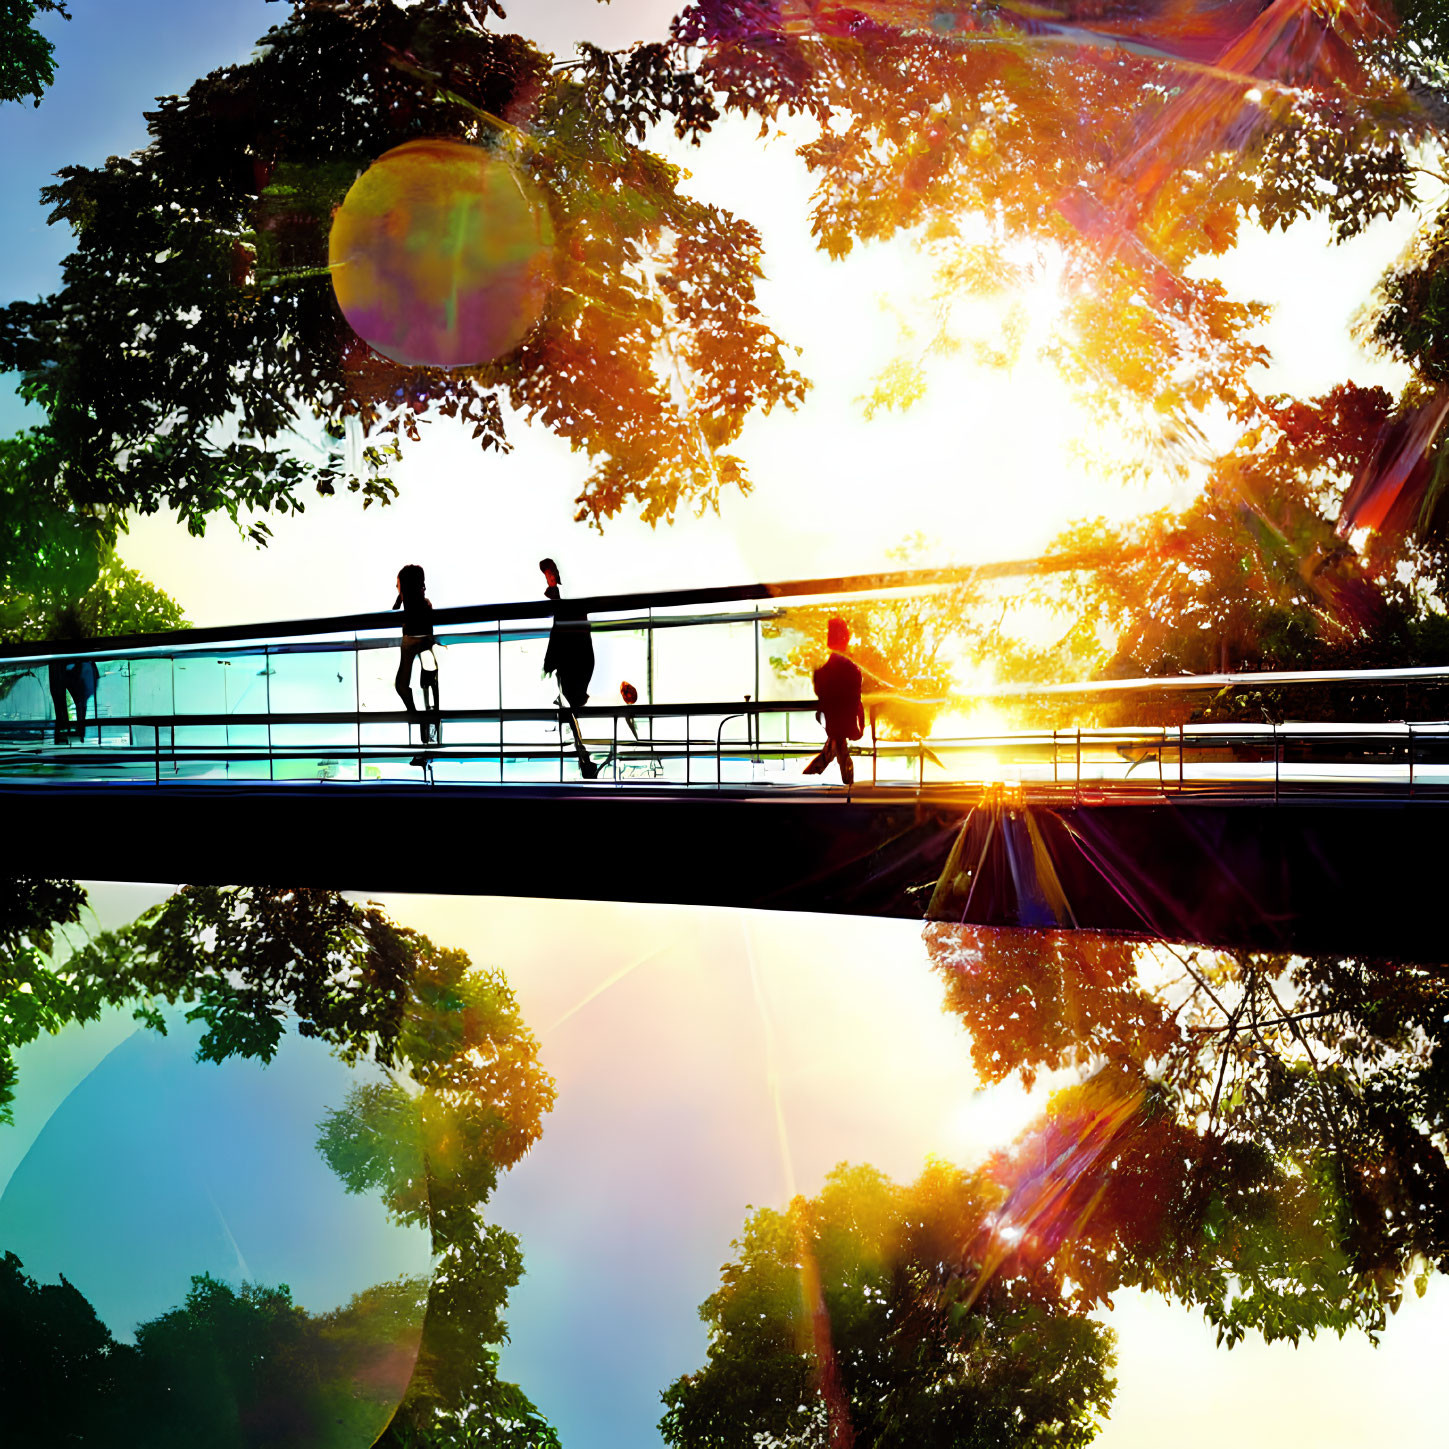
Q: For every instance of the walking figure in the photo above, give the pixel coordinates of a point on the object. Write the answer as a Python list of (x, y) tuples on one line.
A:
[(837, 687), (570, 659), (417, 643), (76, 678)]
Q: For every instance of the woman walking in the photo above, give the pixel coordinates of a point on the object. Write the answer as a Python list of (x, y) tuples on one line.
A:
[(417, 643)]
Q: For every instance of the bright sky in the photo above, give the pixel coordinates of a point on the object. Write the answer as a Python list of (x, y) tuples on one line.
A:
[(670, 1032), (665, 1128)]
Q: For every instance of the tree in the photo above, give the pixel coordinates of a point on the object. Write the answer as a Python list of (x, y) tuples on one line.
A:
[(1087, 168), (33, 996), (243, 959), (863, 1316), (56, 1354), (233, 1367), (196, 338), (1252, 574), (59, 573), (1276, 1150), (27, 64), (1075, 167)]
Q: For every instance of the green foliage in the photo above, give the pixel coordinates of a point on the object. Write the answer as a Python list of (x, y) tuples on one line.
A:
[(196, 339), (120, 601), (231, 1367), (51, 551), (246, 956), (33, 997), (867, 1311), (1283, 1165), (27, 64), (245, 959), (59, 574)]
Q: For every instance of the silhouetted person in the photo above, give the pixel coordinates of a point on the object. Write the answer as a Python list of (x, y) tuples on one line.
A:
[(417, 642), (570, 659), (837, 687), (77, 678)]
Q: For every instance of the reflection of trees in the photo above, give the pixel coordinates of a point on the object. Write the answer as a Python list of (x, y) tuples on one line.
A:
[(867, 1315), (1283, 1165), (466, 1104), (229, 1367)]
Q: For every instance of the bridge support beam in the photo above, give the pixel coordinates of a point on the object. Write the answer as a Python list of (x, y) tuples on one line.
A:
[(1355, 876)]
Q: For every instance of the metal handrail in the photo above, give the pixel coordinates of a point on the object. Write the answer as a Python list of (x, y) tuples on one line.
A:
[(1232, 757)]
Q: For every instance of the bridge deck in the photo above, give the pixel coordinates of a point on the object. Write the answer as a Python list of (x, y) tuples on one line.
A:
[(278, 752)]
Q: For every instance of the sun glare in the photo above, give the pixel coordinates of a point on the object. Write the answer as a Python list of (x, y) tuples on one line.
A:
[(993, 1117)]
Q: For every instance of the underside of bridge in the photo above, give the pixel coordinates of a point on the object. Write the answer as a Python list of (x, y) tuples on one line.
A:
[(1359, 876)]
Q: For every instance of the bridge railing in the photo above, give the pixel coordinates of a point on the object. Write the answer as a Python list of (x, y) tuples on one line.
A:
[(315, 700), (725, 743)]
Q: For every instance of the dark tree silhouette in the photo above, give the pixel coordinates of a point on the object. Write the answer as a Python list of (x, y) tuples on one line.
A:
[(1276, 1155), (244, 959), (234, 1368), (870, 1315), (198, 304)]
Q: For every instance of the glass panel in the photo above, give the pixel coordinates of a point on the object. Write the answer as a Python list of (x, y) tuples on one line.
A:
[(24, 705), (319, 681), (704, 662)]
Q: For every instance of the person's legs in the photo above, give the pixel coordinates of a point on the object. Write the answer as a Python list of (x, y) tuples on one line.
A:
[(59, 700), (433, 715), (78, 694), (847, 765), (818, 764), (403, 680), (576, 694)]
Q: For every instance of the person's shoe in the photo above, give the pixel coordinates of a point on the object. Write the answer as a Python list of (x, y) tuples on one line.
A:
[(588, 769)]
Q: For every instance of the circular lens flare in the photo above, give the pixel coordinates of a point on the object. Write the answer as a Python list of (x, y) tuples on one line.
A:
[(441, 255)]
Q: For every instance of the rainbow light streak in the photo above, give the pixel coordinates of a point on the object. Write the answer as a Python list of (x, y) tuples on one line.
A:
[(1391, 484), (1249, 63), (1048, 1176)]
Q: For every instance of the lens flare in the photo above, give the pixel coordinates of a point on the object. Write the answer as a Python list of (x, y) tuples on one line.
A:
[(442, 255)]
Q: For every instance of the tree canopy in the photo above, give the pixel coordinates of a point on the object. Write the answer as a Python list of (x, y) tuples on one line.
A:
[(867, 1315), (196, 359), (27, 58), (1275, 1150), (244, 959), (233, 1367)]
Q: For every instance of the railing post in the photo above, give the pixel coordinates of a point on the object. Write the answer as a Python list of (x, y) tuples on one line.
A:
[(615, 755), (1411, 757), (1077, 787), (1180, 750), (1054, 757), (686, 749), (1276, 752)]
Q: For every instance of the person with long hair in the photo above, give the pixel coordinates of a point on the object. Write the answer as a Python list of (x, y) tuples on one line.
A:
[(570, 659), (417, 643)]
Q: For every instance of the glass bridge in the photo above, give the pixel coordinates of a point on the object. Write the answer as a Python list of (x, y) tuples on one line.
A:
[(314, 701)]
